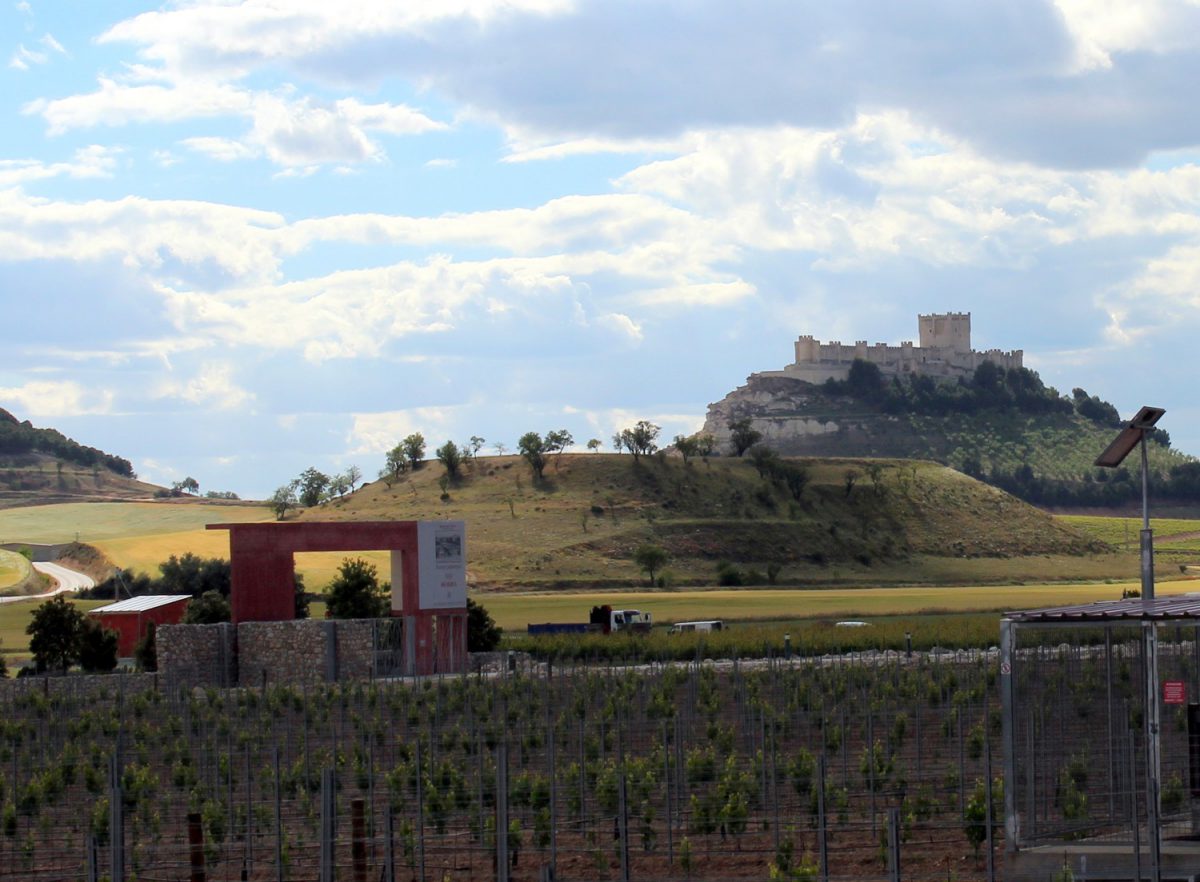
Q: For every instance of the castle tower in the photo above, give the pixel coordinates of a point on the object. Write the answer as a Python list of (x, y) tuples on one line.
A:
[(949, 330)]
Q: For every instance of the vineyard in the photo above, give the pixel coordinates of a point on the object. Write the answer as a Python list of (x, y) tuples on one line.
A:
[(773, 768)]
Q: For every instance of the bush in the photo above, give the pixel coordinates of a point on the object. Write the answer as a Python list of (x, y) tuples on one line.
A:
[(483, 634), (97, 647), (355, 592)]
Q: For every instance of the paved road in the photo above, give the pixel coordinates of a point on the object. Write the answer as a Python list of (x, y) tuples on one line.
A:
[(68, 580)]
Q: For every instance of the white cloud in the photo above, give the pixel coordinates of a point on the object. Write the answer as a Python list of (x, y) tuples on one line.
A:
[(213, 386), (55, 398), (378, 432), (89, 162), (220, 149), (288, 131)]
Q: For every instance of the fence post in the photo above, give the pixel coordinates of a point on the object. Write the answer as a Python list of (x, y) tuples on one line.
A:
[(420, 814), (278, 822), (195, 847), (358, 842), (822, 841), (116, 822), (389, 857), (894, 844), (987, 771), (327, 825), (502, 811), (93, 862), (623, 822)]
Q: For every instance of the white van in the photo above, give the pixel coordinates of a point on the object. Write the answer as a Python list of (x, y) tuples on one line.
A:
[(709, 625)]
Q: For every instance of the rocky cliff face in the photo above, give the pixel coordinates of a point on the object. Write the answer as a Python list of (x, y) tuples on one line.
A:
[(798, 419)]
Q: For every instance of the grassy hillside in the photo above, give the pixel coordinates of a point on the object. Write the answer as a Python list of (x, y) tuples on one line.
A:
[(897, 522), (40, 478)]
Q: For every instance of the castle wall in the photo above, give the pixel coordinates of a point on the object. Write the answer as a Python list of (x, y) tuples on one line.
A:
[(944, 353)]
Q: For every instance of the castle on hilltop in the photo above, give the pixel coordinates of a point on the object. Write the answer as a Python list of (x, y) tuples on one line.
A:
[(944, 353)]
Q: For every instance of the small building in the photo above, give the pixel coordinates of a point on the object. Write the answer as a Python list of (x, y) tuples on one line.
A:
[(130, 618)]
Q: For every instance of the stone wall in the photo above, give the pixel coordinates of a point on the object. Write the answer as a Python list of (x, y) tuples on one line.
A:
[(197, 655), (264, 653)]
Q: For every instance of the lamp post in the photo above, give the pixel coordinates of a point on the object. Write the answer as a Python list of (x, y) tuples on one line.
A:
[(1134, 435)]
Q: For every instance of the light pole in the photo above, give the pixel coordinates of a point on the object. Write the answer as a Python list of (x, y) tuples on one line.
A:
[(1133, 435)]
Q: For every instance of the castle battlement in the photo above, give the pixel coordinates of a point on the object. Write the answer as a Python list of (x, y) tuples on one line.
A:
[(944, 352)]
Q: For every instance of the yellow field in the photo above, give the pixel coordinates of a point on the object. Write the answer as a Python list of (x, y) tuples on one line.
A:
[(1125, 532), (13, 568), (515, 611)]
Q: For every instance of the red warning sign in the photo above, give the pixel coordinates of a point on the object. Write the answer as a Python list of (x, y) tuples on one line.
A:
[(1174, 692)]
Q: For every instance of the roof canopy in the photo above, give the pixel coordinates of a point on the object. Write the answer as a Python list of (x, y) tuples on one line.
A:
[(141, 603), (1134, 609)]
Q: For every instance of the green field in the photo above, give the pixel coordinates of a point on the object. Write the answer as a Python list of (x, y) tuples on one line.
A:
[(1123, 532)]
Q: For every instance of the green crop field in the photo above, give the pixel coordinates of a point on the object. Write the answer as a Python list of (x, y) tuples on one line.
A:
[(1123, 532)]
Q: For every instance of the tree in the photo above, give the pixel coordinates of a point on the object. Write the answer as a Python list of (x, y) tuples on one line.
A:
[(483, 634), (475, 445), (532, 447), (339, 486), (500, 448), (414, 449), (145, 653), (687, 447), (395, 465), (353, 475), (97, 647), (311, 487), (355, 592), (641, 440), (558, 441), (594, 444), (763, 458), (282, 501), (300, 602), (650, 558), (451, 457), (187, 485), (54, 633), (210, 608), (743, 435), (194, 575)]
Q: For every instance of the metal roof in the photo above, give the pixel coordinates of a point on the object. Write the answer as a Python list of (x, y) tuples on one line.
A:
[(141, 603), (1134, 609)]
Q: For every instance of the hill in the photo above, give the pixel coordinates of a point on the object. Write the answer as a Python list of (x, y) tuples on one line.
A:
[(1000, 425), (43, 466), (811, 521)]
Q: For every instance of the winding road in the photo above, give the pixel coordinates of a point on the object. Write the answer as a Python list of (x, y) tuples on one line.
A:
[(68, 580)]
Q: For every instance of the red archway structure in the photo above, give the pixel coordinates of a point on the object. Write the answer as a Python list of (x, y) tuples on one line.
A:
[(428, 578)]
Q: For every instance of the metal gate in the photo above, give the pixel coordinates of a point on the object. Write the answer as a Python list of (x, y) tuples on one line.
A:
[(388, 649)]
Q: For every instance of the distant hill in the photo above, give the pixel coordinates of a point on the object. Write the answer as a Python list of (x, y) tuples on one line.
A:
[(1002, 426), (43, 465), (804, 521)]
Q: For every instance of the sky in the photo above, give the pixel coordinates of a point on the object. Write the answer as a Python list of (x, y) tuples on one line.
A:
[(241, 239)]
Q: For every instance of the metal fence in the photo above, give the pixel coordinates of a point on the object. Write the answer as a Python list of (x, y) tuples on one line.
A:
[(867, 767), (1079, 735)]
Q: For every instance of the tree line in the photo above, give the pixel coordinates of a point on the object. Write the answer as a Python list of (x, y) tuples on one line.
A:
[(22, 437)]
